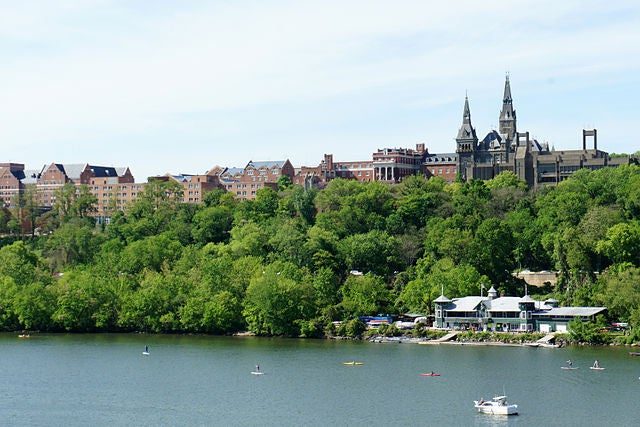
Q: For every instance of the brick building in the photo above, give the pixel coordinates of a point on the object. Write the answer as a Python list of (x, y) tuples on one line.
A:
[(392, 164), (444, 165), (13, 181), (243, 183), (194, 187), (319, 176)]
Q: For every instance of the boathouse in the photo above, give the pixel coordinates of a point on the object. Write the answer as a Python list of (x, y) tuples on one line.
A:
[(521, 314)]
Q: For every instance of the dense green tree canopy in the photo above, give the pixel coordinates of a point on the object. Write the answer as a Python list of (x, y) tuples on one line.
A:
[(285, 263)]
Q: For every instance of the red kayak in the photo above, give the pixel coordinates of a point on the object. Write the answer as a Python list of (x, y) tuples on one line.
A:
[(430, 375)]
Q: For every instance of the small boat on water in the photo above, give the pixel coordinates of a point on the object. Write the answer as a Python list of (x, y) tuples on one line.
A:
[(354, 363), (634, 353), (24, 336), (430, 374), (496, 406)]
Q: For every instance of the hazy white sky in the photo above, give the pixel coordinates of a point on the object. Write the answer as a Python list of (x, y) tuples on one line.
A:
[(181, 86)]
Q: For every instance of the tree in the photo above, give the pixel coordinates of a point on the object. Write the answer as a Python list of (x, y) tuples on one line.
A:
[(154, 305), (507, 179), (150, 253), (621, 293), (278, 300), (492, 249), (284, 183), (622, 243), (27, 209), (375, 251), (287, 238), (74, 201), (247, 238), (266, 203), (365, 295), (73, 243), (212, 224), (22, 265)]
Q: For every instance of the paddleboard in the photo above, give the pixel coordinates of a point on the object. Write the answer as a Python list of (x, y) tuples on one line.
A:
[(257, 373), (596, 369), (430, 375), (353, 363), (145, 353), (568, 368)]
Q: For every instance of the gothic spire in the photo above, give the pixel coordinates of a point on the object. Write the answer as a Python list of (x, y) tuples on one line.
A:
[(466, 130), (507, 91), (507, 114)]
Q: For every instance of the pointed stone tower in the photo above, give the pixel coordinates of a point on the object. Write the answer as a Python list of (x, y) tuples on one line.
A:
[(466, 143), (507, 114)]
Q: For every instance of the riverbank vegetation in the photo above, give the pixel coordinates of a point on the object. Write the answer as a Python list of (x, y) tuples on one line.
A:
[(293, 261)]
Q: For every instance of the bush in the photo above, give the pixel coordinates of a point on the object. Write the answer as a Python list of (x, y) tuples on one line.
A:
[(351, 328), (311, 329)]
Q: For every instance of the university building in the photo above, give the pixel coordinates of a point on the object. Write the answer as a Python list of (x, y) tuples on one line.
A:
[(243, 183), (505, 149), (509, 150)]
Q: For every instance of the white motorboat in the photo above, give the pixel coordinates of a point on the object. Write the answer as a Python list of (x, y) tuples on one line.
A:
[(496, 406)]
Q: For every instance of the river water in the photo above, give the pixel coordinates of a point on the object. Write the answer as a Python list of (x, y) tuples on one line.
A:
[(69, 380)]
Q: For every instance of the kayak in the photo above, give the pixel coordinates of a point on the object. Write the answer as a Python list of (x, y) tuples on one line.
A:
[(353, 363), (431, 374)]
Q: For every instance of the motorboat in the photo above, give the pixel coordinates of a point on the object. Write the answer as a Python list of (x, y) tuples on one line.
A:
[(496, 406)]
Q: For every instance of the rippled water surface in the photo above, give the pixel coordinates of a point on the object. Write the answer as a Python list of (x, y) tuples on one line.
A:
[(67, 380)]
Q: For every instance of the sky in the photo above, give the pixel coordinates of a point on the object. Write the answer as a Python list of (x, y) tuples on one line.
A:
[(177, 87)]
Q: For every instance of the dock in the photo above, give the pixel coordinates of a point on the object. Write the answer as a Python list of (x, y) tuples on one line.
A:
[(449, 337)]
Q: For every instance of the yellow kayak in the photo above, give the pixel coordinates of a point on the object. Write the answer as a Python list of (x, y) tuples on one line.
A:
[(353, 363)]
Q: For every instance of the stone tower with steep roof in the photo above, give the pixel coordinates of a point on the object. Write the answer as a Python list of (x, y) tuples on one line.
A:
[(507, 114), (466, 142)]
